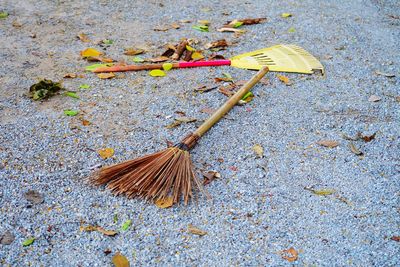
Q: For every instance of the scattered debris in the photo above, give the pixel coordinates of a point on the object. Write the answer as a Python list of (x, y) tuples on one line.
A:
[(374, 98), (389, 75), (217, 44), (133, 51), (83, 37), (366, 138), (395, 238), (34, 197), (179, 50), (164, 203), (290, 254), (178, 121), (120, 260), (328, 143), (158, 59), (106, 153), (210, 176), (7, 238), (205, 88), (44, 89), (196, 231)]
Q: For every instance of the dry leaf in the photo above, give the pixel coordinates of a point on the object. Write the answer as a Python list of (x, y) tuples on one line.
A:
[(374, 98), (290, 254), (225, 29), (106, 232), (175, 25), (321, 192), (196, 231), (259, 150), (120, 260), (197, 56), (355, 150), (158, 59), (252, 21), (328, 143), (90, 52), (106, 75), (207, 110), (133, 51), (204, 22), (395, 238), (170, 51), (210, 176), (389, 75), (83, 37), (366, 138), (70, 75), (164, 203), (161, 29), (106, 153), (218, 43), (284, 79), (205, 88), (186, 119), (214, 56)]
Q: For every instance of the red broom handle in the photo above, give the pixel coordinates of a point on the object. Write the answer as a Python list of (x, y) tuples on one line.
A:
[(119, 68), (210, 63)]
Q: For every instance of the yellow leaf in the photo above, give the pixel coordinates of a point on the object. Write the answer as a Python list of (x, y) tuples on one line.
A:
[(167, 66), (259, 150), (197, 56), (286, 15), (157, 73), (323, 192), (120, 260), (196, 231), (106, 75), (284, 79), (164, 203), (189, 48), (83, 37), (106, 153), (90, 52)]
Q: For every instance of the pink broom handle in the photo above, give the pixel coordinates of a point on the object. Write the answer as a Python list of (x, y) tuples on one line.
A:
[(220, 62), (119, 68)]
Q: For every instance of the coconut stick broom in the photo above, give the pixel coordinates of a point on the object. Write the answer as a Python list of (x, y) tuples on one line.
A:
[(169, 172)]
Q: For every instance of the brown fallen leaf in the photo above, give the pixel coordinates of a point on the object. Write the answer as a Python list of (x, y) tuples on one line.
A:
[(107, 251), (106, 232), (120, 260), (106, 153), (34, 197), (290, 254), (186, 119), (133, 51), (395, 238), (205, 88), (158, 59), (106, 75), (366, 138), (355, 150), (70, 75), (214, 56), (161, 29), (170, 50), (100, 59), (328, 143), (210, 176), (85, 122), (284, 79), (251, 21), (215, 44), (207, 110), (83, 37), (164, 203), (196, 231)]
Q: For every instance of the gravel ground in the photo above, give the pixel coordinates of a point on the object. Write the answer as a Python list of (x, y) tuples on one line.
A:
[(260, 206)]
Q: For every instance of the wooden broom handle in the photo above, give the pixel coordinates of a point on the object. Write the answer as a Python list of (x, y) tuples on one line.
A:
[(230, 103), (118, 68)]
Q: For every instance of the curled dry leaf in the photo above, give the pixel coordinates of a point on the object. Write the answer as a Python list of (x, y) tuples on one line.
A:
[(83, 37), (120, 260), (328, 143), (259, 150), (355, 150), (106, 153), (158, 59), (218, 43), (70, 75), (90, 52), (210, 176), (374, 98), (133, 51), (106, 75), (367, 138), (205, 88), (164, 203), (284, 79), (290, 254), (196, 231), (389, 75)]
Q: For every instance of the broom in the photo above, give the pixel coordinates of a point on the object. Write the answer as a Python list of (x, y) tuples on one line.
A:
[(169, 172)]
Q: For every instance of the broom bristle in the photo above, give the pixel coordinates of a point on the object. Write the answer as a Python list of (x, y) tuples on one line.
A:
[(156, 176)]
